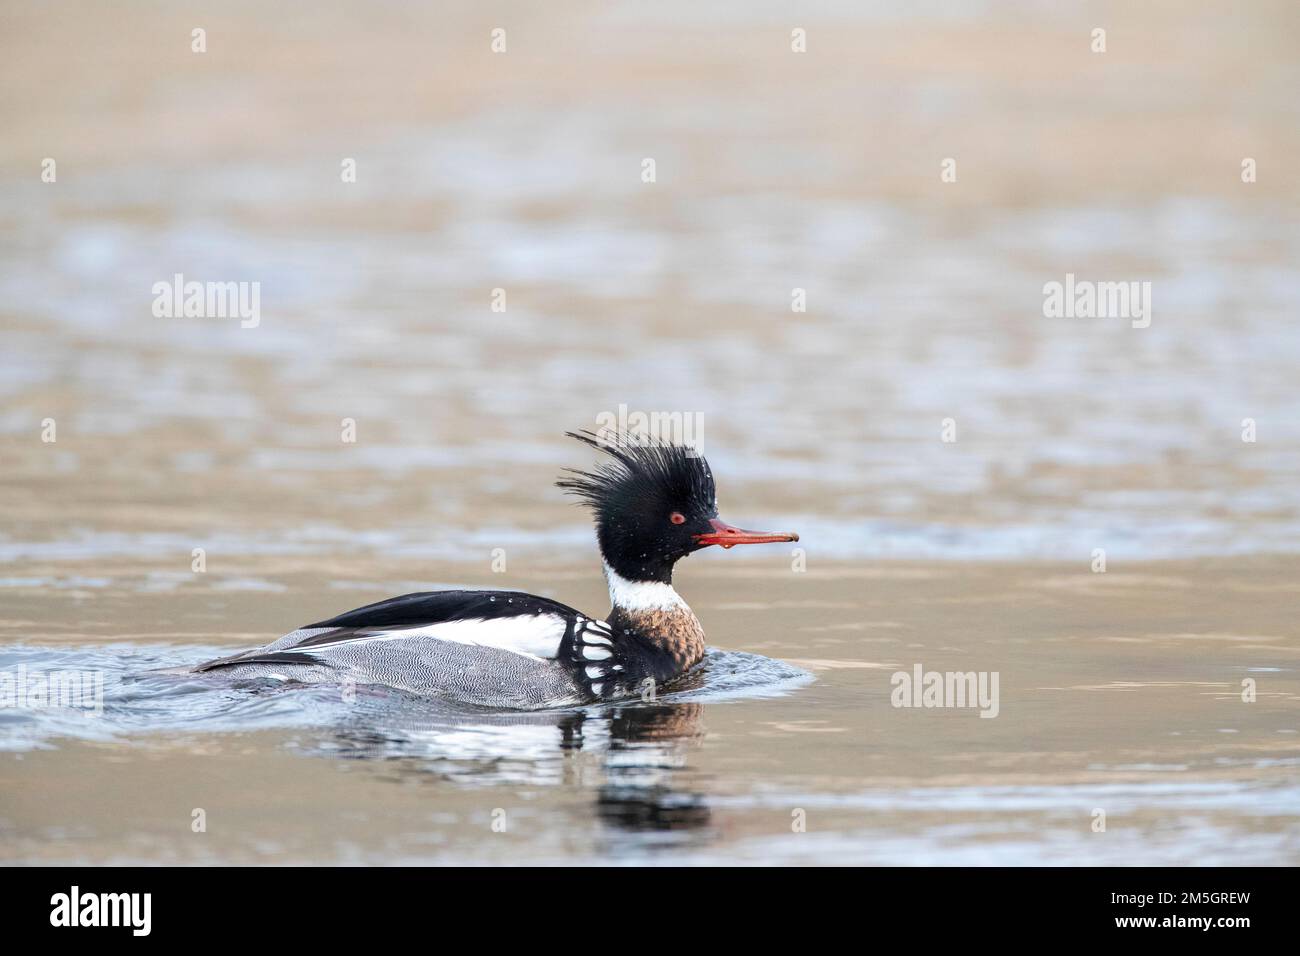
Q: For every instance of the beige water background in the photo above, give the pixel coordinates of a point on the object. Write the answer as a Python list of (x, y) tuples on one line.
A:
[(775, 171)]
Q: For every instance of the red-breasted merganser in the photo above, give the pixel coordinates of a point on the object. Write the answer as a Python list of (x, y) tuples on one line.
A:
[(654, 503)]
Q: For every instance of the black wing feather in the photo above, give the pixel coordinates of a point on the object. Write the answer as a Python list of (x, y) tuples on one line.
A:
[(259, 657), (434, 607)]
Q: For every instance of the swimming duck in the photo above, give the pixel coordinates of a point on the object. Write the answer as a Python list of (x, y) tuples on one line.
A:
[(653, 503)]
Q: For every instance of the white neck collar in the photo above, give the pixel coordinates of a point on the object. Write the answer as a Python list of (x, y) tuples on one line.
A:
[(640, 595)]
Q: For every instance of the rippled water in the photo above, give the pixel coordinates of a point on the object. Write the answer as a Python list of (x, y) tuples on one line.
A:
[(131, 699), (1119, 692), (923, 305), (776, 172)]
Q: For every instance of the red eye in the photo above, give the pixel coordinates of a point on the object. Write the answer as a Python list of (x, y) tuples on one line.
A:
[(677, 518)]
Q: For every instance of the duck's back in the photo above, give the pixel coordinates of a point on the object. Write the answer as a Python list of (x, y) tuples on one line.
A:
[(489, 648)]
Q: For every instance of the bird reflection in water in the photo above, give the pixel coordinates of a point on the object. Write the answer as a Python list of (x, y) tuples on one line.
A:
[(646, 752), (632, 756)]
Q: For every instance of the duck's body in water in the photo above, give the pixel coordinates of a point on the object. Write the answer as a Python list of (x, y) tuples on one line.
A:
[(653, 504)]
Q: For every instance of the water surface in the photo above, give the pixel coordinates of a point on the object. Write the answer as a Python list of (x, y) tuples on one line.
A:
[(1121, 691)]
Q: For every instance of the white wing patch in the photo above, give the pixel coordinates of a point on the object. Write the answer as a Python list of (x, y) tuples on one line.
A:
[(532, 635)]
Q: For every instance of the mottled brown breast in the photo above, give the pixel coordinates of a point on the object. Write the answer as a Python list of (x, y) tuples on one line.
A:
[(674, 632)]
